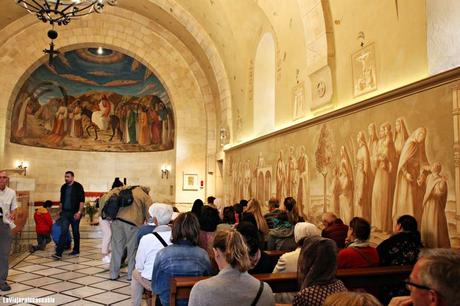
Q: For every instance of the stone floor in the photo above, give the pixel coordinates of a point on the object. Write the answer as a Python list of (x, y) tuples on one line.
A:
[(81, 280)]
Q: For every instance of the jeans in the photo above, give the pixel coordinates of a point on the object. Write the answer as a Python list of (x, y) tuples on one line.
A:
[(5, 246), (67, 219), (42, 241)]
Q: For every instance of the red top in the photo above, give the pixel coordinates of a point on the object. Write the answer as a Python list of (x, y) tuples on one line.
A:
[(43, 221), (354, 257)]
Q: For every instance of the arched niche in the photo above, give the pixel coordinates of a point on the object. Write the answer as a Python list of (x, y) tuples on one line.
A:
[(264, 85)]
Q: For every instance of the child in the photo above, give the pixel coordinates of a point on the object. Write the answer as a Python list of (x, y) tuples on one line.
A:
[(43, 224)]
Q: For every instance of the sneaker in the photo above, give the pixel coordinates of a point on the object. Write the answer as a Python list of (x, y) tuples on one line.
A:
[(57, 257), (106, 259), (5, 287), (73, 253)]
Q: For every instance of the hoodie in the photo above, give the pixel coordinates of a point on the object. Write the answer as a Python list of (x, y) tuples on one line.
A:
[(43, 221)]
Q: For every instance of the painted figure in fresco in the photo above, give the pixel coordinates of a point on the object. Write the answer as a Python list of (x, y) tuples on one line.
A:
[(132, 125), (408, 194), (434, 228), (155, 126), (303, 189), (101, 117), (363, 179), (241, 180), (163, 112), (401, 135), (280, 178), (372, 145), (76, 128), (25, 110), (144, 135), (124, 123), (291, 181), (335, 192), (346, 186), (259, 184), (247, 190), (383, 181), (60, 122), (235, 182)]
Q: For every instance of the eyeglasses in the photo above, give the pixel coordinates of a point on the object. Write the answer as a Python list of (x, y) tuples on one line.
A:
[(410, 285)]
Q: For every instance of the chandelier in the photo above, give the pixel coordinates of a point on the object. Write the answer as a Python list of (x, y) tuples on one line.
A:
[(61, 12)]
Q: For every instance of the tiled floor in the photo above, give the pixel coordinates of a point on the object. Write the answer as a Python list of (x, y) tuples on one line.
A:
[(81, 280)]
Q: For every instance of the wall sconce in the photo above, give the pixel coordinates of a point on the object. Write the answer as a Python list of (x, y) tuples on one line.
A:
[(165, 169), (22, 164)]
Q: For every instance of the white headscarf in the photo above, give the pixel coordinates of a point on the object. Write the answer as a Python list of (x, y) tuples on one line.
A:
[(305, 230)]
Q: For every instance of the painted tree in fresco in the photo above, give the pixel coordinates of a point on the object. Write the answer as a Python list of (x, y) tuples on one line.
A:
[(324, 156)]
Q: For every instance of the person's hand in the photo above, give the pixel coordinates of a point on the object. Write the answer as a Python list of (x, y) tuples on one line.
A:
[(409, 177), (401, 301), (77, 216)]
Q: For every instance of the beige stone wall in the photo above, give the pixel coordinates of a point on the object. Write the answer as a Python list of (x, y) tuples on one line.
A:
[(160, 51)]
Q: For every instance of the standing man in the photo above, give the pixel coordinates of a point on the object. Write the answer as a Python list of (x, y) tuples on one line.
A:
[(7, 207), (70, 210)]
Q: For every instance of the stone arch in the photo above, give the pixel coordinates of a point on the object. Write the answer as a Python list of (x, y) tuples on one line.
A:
[(264, 85)]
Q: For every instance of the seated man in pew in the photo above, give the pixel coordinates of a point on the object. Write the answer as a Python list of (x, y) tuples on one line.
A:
[(434, 280)]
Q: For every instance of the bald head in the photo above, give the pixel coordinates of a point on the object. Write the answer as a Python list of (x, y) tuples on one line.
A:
[(328, 218)]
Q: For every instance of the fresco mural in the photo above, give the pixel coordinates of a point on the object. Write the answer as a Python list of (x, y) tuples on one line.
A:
[(93, 100), (380, 163)]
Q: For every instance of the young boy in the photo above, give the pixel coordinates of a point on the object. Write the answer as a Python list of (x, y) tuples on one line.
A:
[(43, 224)]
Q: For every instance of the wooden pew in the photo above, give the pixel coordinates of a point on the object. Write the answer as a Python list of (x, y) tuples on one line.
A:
[(373, 280)]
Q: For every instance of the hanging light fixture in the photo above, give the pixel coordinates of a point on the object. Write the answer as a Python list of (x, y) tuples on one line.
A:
[(61, 12)]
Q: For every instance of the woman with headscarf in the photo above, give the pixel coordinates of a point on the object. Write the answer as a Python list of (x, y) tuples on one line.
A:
[(288, 261), (316, 270)]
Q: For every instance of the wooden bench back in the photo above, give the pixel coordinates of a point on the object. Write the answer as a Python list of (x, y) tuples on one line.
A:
[(373, 280)]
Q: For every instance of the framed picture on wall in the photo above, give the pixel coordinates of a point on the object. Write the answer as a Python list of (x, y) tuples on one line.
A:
[(190, 181)]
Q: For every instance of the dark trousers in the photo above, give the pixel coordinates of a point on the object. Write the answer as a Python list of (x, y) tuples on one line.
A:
[(42, 241), (66, 220), (5, 246)]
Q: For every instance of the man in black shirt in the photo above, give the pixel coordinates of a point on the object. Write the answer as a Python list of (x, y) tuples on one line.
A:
[(70, 210)]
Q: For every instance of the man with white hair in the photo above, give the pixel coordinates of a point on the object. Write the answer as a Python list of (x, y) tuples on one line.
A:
[(148, 248), (7, 207), (434, 280)]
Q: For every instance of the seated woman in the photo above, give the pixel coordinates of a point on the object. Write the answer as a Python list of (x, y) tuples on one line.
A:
[(209, 219), (260, 261), (288, 261), (183, 258), (255, 208), (290, 207), (403, 246), (196, 207), (233, 285), (316, 272), (358, 253), (229, 219)]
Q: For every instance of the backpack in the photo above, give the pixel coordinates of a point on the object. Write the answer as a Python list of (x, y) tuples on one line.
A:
[(123, 199)]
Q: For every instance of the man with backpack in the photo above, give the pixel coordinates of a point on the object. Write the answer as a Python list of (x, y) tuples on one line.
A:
[(148, 248), (132, 212)]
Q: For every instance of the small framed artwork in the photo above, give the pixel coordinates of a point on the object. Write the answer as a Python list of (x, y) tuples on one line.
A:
[(298, 100), (190, 181)]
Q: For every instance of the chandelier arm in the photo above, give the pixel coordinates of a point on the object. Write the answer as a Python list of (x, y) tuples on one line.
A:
[(68, 6), (83, 9), (47, 6), (38, 9), (56, 6)]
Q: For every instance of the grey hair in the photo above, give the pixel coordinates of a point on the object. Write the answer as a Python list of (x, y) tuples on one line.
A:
[(440, 271)]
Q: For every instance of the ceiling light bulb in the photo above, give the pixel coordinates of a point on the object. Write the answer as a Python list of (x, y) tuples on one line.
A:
[(100, 51)]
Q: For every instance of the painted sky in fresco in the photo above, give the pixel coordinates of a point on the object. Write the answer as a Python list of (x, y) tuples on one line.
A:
[(84, 70)]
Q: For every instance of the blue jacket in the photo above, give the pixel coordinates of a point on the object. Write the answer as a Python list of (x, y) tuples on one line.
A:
[(179, 259)]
